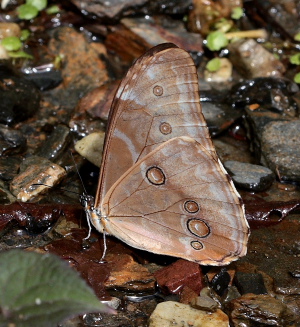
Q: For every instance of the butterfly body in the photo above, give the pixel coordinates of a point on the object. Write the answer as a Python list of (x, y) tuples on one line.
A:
[(162, 187)]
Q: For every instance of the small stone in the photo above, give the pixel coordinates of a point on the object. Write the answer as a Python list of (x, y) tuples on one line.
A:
[(220, 282), (91, 147), (250, 283), (170, 314), (223, 74), (56, 145), (280, 148), (11, 140), (205, 301), (9, 29), (260, 310), (127, 274), (248, 176), (20, 99), (35, 170), (253, 60), (181, 273), (9, 167), (187, 295)]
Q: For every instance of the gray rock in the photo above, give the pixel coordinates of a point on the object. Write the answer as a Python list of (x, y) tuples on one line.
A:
[(248, 176), (253, 60), (260, 310), (280, 149)]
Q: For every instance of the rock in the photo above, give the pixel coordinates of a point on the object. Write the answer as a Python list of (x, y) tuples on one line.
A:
[(127, 274), (223, 74), (253, 60), (169, 314), (82, 68), (219, 116), (9, 29), (91, 147), (35, 170), (9, 167), (282, 18), (181, 273), (260, 310), (274, 94), (44, 80), (115, 9), (11, 141), (205, 301), (20, 99), (248, 176), (56, 145), (133, 36), (280, 149), (220, 282), (250, 283)]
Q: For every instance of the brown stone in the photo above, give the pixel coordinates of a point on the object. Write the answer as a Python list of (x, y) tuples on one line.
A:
[(127, 274), (259, 310), (173, 278)]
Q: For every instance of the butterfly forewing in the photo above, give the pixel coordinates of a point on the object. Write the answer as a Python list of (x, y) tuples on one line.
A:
[(157, 100), (177, 201)]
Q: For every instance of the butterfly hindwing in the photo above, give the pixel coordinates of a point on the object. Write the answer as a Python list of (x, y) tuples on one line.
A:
[(178, 201)]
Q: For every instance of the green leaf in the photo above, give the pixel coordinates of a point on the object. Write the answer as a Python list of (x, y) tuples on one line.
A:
[(11, 43), (38, 4), (213, 65), (216, 41), (297, 37), (295, 59), (297, 78), (237, 13), (24, 35), (41, 290), (27, 11), (19, 54), (53, 10)]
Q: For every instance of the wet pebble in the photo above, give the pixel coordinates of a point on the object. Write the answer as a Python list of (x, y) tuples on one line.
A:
[(11, 140), (9, 29), (260, 310), (280, 149), (127, 274), (91, 147), (56, 145), (248, 176), (253, 60), (219, 116), (9, 167), (20, 99), (250, 283), (223, 74), (178, 314), (115, 9), (174, 277), (220, 282), (35, 170), (205, 301)]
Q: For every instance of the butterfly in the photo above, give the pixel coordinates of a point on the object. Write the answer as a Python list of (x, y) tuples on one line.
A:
[(162, 187)]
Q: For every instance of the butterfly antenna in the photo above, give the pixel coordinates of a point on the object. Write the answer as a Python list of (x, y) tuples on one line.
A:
[(77, 170), (85, 199)]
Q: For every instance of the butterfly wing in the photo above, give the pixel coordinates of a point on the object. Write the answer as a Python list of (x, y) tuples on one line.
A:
[(157, 100), (179, 201)]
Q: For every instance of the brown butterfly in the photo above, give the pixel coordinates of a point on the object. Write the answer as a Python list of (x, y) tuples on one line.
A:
[(162, 187)]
